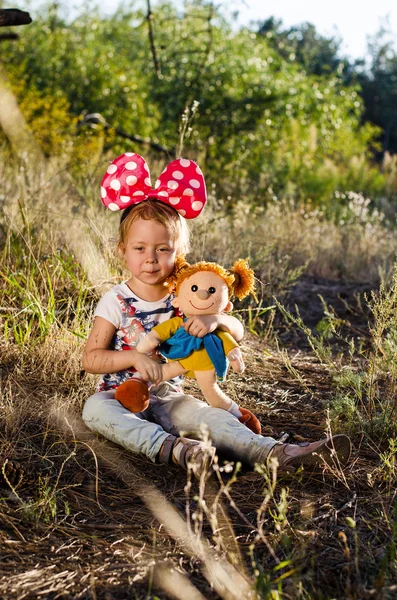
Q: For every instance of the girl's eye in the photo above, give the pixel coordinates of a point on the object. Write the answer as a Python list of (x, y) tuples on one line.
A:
[(212, 290), (194, 288), (139, 248)]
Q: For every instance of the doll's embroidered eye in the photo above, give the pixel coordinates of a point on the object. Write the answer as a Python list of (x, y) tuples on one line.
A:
[(212, 290), (194, 288)]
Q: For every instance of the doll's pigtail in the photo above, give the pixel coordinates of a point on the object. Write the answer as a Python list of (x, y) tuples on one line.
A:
[(180, 265), (244, 280)]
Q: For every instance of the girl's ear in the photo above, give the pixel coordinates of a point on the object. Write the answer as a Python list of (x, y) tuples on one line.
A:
[(228, 307), (121, 249), (175, 303)]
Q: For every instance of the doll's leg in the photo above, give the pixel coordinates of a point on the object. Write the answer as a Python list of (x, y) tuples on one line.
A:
[(172, 369), (103, 414), (212, 392), (133, 394), (236, 360)]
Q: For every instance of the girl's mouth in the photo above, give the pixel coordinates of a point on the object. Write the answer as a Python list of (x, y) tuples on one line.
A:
[(198, 308)]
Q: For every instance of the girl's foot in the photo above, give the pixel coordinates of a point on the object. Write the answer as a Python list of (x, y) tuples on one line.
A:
[(187, 453), (330, 451)]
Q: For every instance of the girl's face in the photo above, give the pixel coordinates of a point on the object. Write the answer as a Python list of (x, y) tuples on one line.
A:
[(149, 253)]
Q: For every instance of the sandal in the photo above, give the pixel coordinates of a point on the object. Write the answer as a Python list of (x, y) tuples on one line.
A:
[(187, 453), (328, 451)]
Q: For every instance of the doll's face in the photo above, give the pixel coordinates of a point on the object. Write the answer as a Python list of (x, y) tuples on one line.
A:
[(204, 293)]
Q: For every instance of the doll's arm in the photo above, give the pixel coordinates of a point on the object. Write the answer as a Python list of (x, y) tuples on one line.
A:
[(159, 333), (148, 343), (232, 351), (200, 325)]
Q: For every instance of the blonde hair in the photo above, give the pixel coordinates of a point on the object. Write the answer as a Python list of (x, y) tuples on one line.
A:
[(240, 279), (157, 211)]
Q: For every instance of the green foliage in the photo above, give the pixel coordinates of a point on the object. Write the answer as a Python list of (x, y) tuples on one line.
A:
[(266, 125), (42, 289), (48, 505)]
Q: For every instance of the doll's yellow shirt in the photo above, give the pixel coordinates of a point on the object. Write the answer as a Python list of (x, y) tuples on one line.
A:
[(199, 359)]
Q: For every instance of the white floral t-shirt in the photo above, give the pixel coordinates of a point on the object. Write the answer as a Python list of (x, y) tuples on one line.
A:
[(132, 317)]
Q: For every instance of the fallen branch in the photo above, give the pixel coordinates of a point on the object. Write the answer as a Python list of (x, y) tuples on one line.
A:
[(13, 16)]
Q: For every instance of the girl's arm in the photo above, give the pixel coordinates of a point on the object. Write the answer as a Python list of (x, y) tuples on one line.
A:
[(97, 358), (199, 326)]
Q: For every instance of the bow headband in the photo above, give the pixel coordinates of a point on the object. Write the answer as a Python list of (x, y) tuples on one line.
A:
[(127, 182)]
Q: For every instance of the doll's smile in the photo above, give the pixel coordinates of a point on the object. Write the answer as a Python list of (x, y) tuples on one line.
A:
[(201, 308)]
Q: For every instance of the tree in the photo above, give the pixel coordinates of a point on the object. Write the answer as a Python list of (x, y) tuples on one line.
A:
[(265, 125), (379, 89), (318, 54)]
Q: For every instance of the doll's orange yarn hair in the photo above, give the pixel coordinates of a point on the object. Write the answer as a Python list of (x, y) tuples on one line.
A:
[(240, 279)]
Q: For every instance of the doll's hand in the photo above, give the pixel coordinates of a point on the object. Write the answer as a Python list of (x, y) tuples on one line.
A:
[(148, 343), (236, 360), (149, 369), (199, 326)]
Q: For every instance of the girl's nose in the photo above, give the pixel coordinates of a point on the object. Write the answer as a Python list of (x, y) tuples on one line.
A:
[(203, 294)]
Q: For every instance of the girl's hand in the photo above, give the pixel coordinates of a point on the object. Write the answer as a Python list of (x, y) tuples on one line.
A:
[(199, 326), (149, 369)]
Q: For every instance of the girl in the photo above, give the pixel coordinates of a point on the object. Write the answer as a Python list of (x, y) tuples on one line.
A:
[(152, 233)]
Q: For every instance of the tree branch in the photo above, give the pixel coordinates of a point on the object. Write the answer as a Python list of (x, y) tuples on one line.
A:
[(97, 118), (9, 36), (151, 40), (14, 16)]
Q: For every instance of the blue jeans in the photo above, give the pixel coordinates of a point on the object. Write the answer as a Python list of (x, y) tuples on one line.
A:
[(172, 412)]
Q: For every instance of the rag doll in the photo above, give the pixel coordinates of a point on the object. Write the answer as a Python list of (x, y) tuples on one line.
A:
[(203, 288)]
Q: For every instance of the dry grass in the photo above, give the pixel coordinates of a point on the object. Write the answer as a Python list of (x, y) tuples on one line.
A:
[(89, 518), (281, 238)]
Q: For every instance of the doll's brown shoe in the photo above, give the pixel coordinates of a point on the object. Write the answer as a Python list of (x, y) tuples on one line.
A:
[(330, 451), (133, 394), (188, 454)]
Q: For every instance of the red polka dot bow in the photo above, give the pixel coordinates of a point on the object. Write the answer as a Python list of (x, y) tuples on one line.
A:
[(127, 182)]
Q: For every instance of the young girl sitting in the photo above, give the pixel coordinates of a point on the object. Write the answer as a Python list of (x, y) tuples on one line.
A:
[(152, 233)]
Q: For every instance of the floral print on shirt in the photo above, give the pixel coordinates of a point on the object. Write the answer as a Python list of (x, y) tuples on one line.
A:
[(135, 323)]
